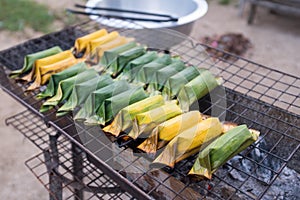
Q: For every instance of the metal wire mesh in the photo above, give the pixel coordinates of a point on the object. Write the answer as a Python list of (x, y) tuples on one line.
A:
[(262, 98)]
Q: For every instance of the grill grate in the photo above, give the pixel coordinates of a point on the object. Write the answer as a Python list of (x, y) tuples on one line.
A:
[(72, 177), (262, 98)]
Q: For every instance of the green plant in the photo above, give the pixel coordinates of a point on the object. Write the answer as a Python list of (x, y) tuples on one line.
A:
[(15, 15)]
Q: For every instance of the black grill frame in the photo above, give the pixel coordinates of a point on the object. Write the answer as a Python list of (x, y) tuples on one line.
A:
[(270, 105)]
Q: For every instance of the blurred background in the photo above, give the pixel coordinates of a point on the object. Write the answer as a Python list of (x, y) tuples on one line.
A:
[(273, 40)]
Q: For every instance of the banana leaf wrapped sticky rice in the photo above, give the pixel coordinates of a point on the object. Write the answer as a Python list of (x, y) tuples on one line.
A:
[(129, 71), (169, 129), (145, 122), (56, 78), (123, 58), (147, 72), (82, 90), (222, 149), (93, 44), (119, 41), (124, 118), (161, 76), (110, 56), (45, 61), (65, 88), (188, 142), (31, 58), (45, 67), (177, 81), (111, 106), (91, 106), (82, 42), (197, 88)]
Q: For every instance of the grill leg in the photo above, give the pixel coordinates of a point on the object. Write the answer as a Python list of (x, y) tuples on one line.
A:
[(77, 170), (55, 183)]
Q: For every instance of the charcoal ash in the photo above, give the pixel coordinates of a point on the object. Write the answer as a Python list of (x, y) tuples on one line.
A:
[(286, 186)]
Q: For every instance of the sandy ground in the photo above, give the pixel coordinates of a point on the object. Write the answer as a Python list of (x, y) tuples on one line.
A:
[(276, 41)]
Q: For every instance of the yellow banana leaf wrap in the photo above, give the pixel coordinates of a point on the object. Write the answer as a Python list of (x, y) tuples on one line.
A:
[(47, 61), (44, 72), (82, 42), (145, 122), (188, 142), (119, 41), (169, 129), (92, 45), (124, 118), (31, 58), (222, 149)]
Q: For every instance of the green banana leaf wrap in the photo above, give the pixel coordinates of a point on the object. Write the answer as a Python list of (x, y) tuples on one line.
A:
[(146, 73), (65, 88), (124, 58), (196, 89), (188, 142), (56, 78), (125, 117), (111, 55), (145, 122), (177, 81), (133, 66), (31, 58), (161, 76), (82, 91), (110, 107), (221, 150), (96, 98)]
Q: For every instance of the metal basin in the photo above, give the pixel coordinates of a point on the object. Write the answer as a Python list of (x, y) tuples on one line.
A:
[(187, 12)]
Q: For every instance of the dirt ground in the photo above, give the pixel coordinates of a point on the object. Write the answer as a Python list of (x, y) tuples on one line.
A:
[(276, 43)]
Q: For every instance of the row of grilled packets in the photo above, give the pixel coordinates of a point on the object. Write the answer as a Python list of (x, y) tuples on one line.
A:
[(130, 101), (38, 67)]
